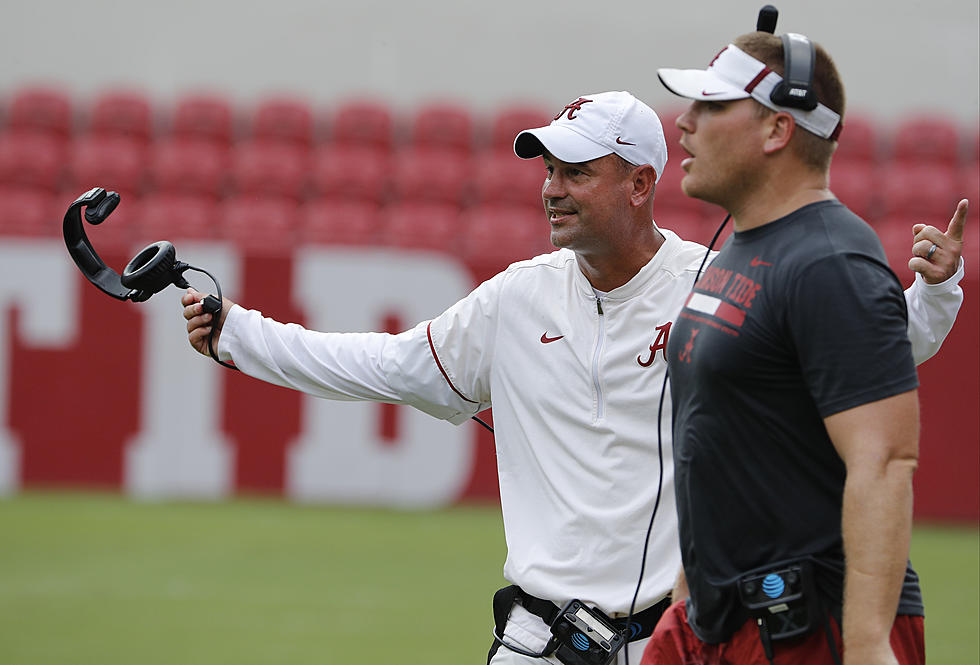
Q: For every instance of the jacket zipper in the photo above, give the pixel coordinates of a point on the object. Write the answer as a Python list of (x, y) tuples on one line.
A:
[(600, 339)]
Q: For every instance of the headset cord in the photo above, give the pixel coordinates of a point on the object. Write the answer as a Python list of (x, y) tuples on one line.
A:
[(214, 306), (660, 455)]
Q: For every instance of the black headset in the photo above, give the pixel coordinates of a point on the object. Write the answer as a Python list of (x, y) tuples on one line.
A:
[(152, 270), (799, 57)]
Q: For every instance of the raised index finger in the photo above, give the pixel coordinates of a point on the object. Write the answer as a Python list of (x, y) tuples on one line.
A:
[(955, 229)]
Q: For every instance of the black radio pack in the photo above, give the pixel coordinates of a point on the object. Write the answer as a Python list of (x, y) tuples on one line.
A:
[(585, 636), (784, 598)]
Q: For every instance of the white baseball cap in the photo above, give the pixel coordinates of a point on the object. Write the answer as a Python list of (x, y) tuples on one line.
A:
[(734, 74), (597, 125)]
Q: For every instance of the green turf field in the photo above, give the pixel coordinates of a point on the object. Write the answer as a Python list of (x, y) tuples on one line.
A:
[(89, 578)]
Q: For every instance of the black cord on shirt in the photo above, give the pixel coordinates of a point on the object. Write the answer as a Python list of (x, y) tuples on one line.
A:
[(660, 455)]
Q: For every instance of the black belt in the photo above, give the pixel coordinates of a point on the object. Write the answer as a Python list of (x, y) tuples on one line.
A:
[(640, 625)]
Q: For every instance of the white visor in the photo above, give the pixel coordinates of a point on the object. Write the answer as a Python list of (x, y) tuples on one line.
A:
[(734, 74)]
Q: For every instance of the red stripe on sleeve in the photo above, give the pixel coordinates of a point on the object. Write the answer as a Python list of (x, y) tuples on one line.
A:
[(432, 348)]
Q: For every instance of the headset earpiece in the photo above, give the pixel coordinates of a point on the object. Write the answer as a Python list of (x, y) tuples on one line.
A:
[(154, 269), (796, 88)]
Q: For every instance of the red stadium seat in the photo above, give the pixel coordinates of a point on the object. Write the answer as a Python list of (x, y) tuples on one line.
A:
[(119, 233), (32, 160), (669, 197), (496, 235), (432, 226), (858, 141), (510, 121), (180, 216), (970, 189), (204, 117), (855, 184), (122, 113), (502, 177), (41, 109), (270, 169), (687, 225), (921, 190), (189, 166), (113, 163), (440, 176), (30, 212), (926, 139), (668, 118), (363, 123), (285, 120), (353, 172), (443, 125), (260, 225), (340, 222)]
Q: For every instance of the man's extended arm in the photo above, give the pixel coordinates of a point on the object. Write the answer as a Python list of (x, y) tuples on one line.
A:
[(878, 443), (398, 369)]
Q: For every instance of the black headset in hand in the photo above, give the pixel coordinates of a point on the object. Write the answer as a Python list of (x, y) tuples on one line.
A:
[(152, 270)]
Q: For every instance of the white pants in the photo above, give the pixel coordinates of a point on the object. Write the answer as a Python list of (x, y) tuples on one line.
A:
[(505, 656)]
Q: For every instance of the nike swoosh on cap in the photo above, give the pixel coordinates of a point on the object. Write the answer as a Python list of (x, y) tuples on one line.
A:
[(705, 93), (620, 141)]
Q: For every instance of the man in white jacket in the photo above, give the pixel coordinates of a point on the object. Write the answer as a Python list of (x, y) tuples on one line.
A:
[(569, 349)]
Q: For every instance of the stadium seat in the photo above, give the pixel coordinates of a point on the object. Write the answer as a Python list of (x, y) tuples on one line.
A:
[(496, 235), (42, 109), (919, 189), (432, 226), (502, 177), (439, 176), (119, 233), (970, 189), (510, 121), (668, 118), (340, 222), (122, 113), (855, 184), (926, 139), (353, 172), (688, 225), (669, 196), (270, 169), (858, 141), (29, 212), (113, 163), (896, 236), (282, 119), (177, 216), (443, 125), (189, 166), (363, 123), (259, 225), (205, 117), (33, 160)]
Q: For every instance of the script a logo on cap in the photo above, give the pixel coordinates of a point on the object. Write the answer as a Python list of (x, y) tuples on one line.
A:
[(573, 107)]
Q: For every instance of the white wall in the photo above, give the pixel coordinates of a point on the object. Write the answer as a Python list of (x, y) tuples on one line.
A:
[(895, 56)]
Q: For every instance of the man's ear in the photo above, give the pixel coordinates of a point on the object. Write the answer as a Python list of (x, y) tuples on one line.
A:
[(643, 180), (780, 127)]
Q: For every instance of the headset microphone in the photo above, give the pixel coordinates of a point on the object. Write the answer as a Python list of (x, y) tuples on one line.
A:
[(767, 19)]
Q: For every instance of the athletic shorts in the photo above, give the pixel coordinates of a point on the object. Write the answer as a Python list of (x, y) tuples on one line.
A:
[(674, 643)]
